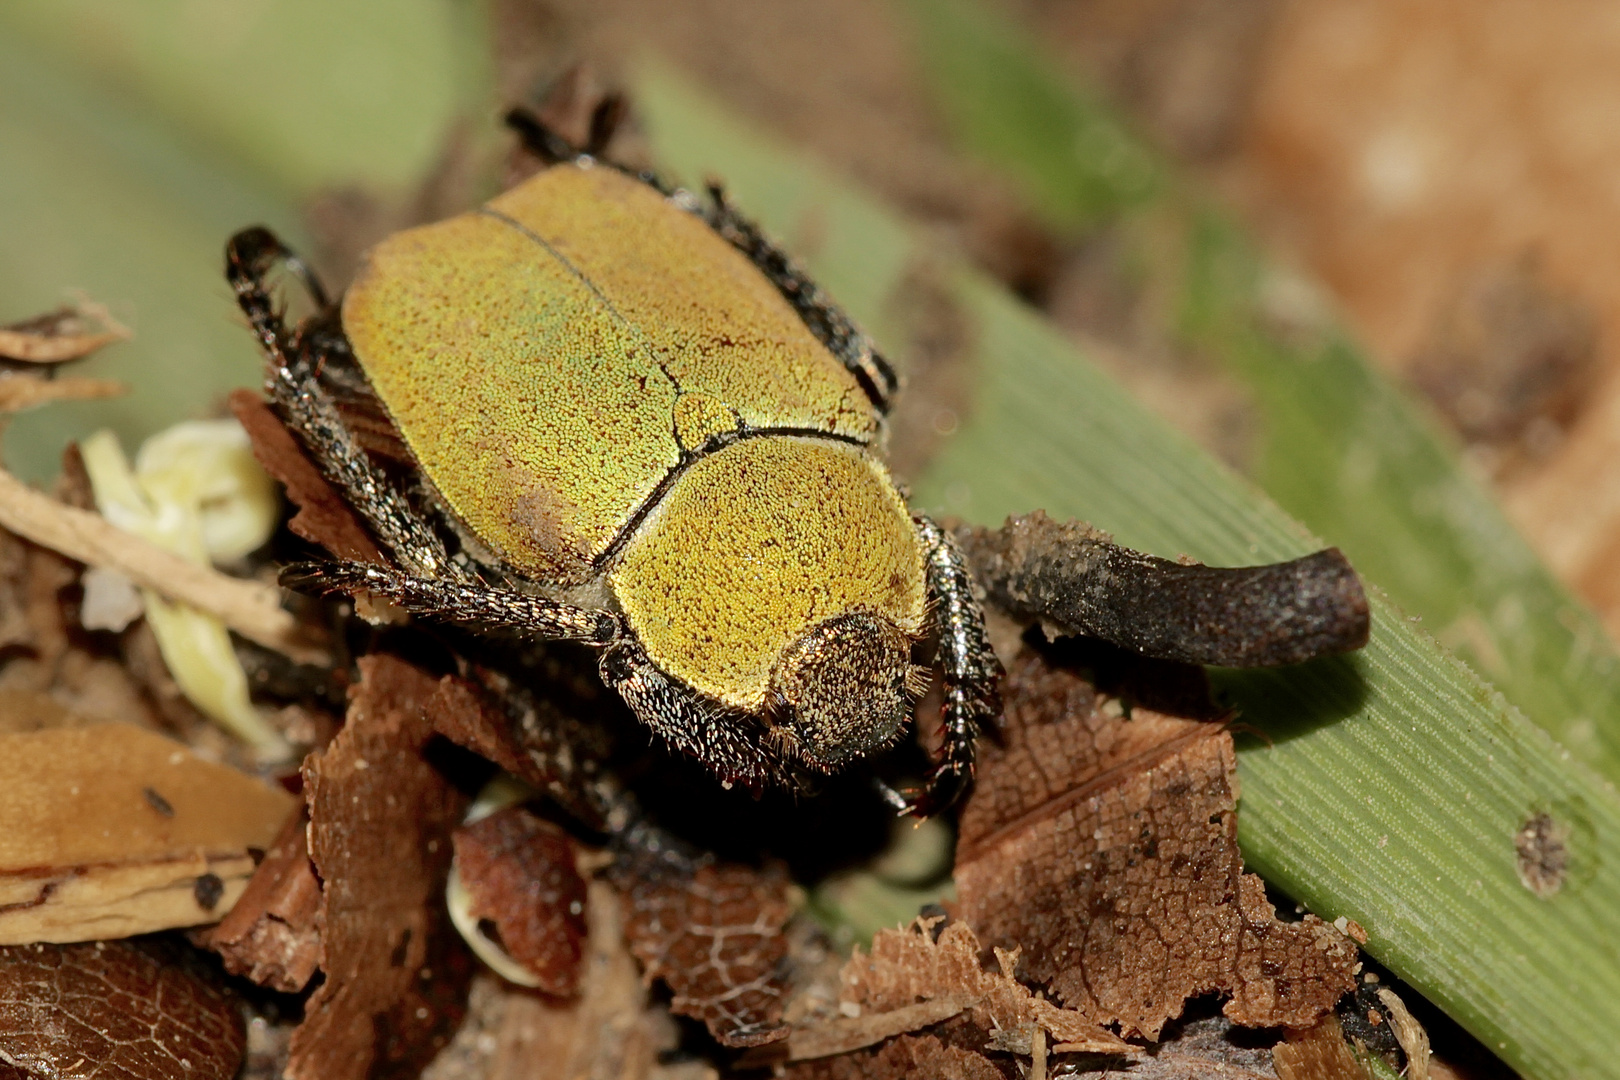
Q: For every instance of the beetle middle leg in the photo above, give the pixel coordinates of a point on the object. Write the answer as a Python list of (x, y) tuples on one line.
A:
[(459, 601), (293, 383), (971, 671)]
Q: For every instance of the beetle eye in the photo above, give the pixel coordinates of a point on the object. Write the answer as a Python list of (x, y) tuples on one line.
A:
[(841, 690)]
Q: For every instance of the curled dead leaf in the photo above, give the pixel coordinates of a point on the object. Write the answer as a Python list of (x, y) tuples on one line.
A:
[(1106, 848), (905, 966), (67, 333), (519, 874), (120, 1009)]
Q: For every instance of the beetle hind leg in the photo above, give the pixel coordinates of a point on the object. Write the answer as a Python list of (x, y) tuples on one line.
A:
[(971, 672)]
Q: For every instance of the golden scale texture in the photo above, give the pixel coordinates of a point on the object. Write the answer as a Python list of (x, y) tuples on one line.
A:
[(549, 357), (757, 544)]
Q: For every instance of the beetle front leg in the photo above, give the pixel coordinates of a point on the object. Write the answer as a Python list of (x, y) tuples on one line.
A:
[(689, 723), (971, 671), (457, 601), (309, 411)]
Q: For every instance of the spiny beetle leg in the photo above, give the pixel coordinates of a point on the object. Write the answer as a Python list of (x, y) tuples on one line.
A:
[(456, 601), (728, 744), (971, 672)]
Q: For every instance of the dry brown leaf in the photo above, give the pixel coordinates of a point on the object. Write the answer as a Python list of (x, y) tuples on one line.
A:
[(714, 934), (21, 391), (250, 608), (67, 333), (324, 516), (380, 821), (519, 874), (113, 1011), (272, 935), (112, 830), (1106, 848), (907, 966)]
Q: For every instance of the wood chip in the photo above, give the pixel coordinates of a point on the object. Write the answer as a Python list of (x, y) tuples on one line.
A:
[(1106, 848), (113, 1011), (1316, 1053), (250, 608), (87, 852)]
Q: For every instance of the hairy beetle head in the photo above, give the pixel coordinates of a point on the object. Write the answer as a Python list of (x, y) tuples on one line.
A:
[(843, 689)]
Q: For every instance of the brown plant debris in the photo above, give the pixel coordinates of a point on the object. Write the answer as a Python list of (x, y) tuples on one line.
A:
[(1106, 848), (1070, 577), (380, 818), (528, 735), (1542, 849), (323, 517), (113, 1011), (109, 829), (715, 935), (1318, 1052), (250, 608), (909, 966), (1409, 1033), (21, 391), (519, 873), (900, 1059), (68, 333), (272, 935), (608, 1031)]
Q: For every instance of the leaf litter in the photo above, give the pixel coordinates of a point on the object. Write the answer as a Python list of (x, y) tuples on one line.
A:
[(1105, 848)]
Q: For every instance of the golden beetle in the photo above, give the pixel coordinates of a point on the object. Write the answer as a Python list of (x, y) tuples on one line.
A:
[(639, 426)]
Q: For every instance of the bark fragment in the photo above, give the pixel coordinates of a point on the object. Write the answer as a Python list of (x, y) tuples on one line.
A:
[(381, 816), (272, 935), (1106, 848), (119, 1009), (323, 517), (1071, 577)]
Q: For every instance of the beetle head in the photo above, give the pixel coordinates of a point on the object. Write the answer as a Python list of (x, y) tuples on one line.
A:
[(844, 688)]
